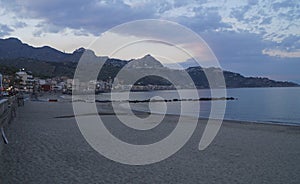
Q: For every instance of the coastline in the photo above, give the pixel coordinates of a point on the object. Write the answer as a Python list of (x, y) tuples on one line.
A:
[(202, 117), (232, 120)]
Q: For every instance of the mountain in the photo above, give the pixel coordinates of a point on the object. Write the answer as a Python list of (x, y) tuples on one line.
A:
[(147, 61), (233, 80), (13, 48), (48, 62), (43, 69)]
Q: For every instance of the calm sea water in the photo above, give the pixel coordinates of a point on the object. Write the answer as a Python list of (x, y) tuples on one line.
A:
[(268, 105)]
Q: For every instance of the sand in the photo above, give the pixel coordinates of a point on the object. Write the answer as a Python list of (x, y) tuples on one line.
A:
[(47, 149)]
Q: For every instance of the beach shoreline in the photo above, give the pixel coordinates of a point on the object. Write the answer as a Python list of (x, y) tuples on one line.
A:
[(47, 149)]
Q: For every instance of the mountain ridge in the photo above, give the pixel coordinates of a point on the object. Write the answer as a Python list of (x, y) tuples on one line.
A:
[(13, 48), (49, 62)]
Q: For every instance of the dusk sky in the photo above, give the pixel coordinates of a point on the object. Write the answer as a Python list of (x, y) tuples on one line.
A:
[(254, 37)]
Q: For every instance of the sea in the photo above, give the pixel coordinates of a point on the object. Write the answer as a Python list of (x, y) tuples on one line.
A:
[(261, 105)]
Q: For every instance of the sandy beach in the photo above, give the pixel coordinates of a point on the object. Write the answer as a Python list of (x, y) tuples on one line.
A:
[(46, 146)]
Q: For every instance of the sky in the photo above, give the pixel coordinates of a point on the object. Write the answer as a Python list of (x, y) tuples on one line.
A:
[(251, 37)]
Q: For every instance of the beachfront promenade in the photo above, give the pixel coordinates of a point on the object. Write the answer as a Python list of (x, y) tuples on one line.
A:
[(46, 146)]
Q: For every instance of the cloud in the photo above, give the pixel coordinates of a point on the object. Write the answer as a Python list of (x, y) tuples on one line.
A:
[(96, 16), (232, 47), (19, 24), (248, 54), (282, 53), (204, 19), (289, 47), (267, 21), (5, 30), (272, 20), (43, 27), (275, 21), (91, 15)]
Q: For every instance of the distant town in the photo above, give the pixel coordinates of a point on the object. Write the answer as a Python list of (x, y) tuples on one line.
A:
[(25, 81)]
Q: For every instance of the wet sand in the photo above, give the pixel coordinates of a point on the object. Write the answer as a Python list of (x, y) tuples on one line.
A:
[(46, 146)]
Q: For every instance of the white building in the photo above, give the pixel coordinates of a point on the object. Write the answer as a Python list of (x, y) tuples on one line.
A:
[(27, 80)]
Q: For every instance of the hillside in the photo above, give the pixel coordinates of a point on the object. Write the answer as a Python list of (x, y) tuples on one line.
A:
[(234, 80), (13, 48), (48, 62)]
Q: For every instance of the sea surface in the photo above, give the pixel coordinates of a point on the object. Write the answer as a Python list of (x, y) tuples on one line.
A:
[(262, 105)]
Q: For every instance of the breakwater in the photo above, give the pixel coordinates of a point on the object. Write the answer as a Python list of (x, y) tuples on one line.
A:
[(166, 100)]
